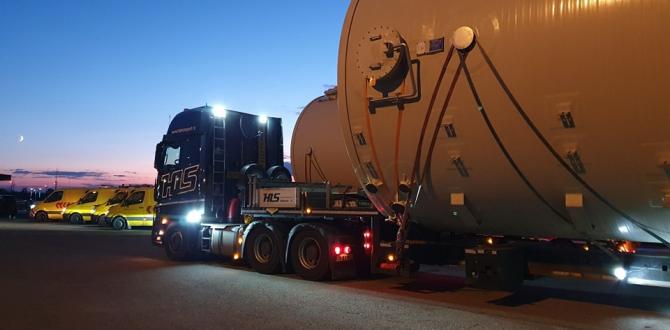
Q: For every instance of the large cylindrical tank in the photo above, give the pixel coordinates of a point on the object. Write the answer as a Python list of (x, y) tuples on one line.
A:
[(591, 76), (318, 153)]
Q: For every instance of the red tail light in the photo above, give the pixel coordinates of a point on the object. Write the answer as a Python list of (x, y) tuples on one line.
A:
[(347, 249), (367, 240), (337, 250)]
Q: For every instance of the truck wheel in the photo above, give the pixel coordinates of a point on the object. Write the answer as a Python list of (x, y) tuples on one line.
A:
[(118, 223), (76, 218), (262, 251), (176, 244), (41, 216), (310, 256)]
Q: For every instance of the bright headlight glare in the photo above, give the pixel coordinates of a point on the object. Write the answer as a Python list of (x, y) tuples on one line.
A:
[(32, 206), (620, 273), (194, 216), (219, 111), (263, 119)]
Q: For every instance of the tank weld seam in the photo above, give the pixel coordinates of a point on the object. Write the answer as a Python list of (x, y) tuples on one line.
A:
[(501, 145), (557, 156)]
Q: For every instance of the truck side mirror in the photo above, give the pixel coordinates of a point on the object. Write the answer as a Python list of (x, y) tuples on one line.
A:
[(158, 156)]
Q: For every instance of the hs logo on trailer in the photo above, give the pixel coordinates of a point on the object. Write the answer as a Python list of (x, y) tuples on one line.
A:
[(278, 197)]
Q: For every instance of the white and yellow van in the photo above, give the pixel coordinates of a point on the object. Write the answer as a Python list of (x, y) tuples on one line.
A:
[(137, 209), (83, 210), (54, 205)]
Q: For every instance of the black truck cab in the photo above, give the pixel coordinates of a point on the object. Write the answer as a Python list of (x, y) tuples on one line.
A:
[(199, 162)]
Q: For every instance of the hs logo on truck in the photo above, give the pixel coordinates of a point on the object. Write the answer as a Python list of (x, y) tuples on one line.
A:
[(271, 198), (179, 181)]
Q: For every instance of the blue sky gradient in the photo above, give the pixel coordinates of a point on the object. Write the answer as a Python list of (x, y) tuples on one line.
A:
[(91, 85)]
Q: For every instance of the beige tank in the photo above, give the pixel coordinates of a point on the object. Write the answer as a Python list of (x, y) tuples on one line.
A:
[(592, 157), (318, 153)]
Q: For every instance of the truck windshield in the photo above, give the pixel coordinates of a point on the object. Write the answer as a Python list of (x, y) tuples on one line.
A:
[(171, 156), (181, 154), (90, 197)]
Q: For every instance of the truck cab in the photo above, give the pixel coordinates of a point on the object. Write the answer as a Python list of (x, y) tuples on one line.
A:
[(199, 163)]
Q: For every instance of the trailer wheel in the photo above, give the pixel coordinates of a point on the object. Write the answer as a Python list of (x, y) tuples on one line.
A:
[(118, 223), (41, 216), (263, 251), (310, 256), (76, 218)]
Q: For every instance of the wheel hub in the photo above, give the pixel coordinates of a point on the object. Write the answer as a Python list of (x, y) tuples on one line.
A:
[(309, 253), (263, 248)]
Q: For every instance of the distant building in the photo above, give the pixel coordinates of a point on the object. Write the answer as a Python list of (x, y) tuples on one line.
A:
[(5, 177)]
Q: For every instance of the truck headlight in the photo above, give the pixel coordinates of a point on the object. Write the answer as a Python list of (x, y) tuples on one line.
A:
[(194, 216)]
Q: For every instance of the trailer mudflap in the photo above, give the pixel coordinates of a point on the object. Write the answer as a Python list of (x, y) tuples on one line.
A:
[(495, 268)]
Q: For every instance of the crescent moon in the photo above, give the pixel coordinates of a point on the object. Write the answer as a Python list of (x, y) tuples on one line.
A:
[(21, 138)]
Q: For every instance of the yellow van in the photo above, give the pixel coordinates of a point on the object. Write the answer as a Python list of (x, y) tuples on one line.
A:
[(136, 210), (100, 211), (54, 205), (83, 210)]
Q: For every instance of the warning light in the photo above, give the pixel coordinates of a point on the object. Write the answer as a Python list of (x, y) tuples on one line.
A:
[(338, 250), (164, 221), (489, 240), (308, 211), (626, 247), (366, 246), (240, 240), (236, 256), (390, 257), (347, 249), (367, 234)]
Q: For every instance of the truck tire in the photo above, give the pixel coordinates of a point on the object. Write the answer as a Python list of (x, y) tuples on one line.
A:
[(310, 256), (263, 251), (178, 245), (118, 223), (41, 216), (76, 218)]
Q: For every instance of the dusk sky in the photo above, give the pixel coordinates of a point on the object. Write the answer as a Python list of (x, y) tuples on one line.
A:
[(91, 85)]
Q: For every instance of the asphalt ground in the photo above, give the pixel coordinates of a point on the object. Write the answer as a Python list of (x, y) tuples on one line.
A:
[(60, 276)]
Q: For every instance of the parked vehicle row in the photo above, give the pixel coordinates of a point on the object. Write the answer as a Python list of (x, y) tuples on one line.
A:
[(120, 208)]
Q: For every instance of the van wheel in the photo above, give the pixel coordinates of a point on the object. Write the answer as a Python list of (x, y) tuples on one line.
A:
[(41, 216), (310, 256), (76, 218), (119, 223), (262, 250)]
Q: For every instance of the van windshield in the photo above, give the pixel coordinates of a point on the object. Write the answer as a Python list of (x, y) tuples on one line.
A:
[(118, 198), (135, 198), (55, 196), (90, 197)]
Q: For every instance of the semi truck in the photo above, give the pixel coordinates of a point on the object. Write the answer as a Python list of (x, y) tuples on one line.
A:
[(491, 135)]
